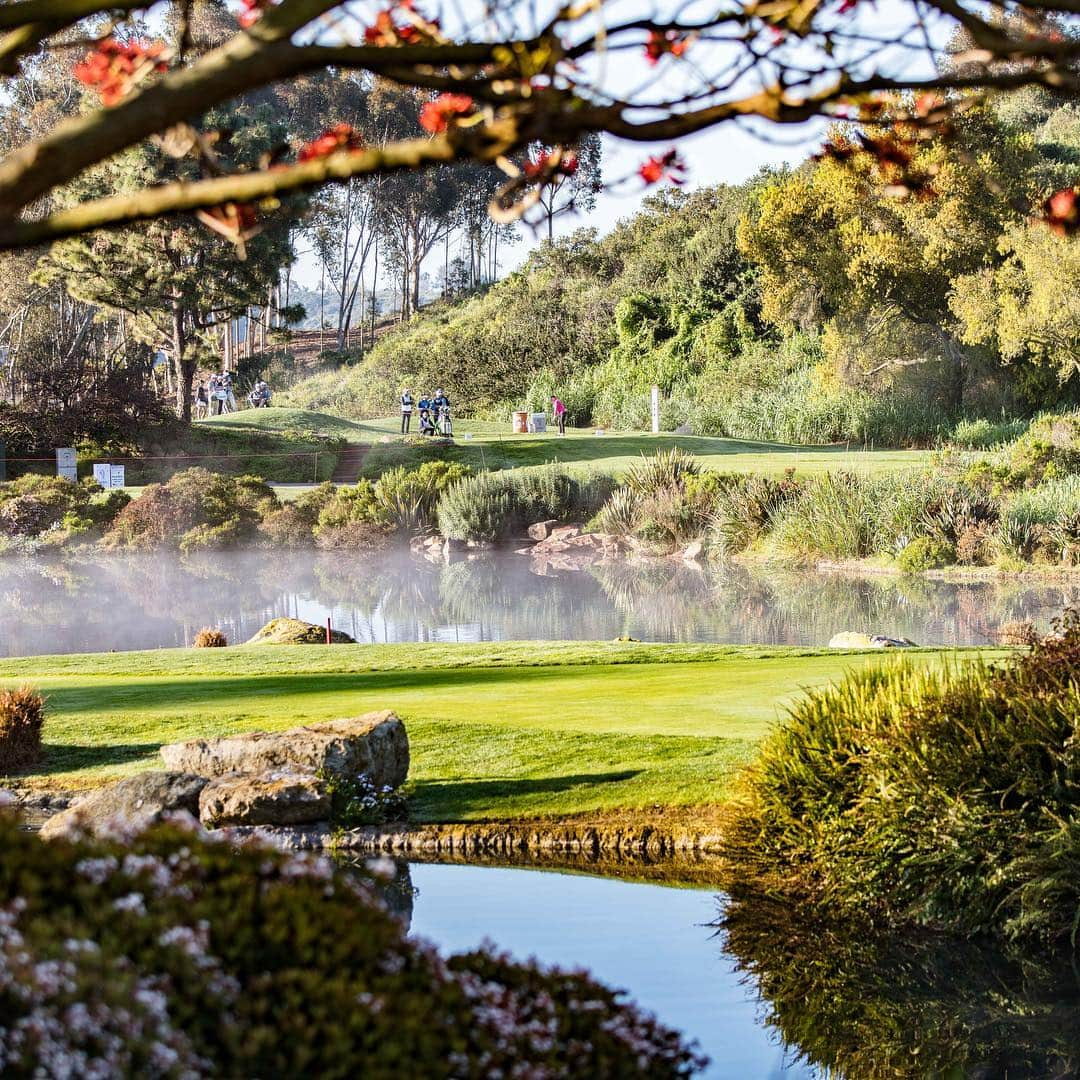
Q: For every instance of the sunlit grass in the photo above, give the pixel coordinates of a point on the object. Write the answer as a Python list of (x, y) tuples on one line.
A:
[(497, 730)]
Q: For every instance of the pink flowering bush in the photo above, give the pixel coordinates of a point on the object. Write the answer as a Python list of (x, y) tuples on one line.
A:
[(168, 955)]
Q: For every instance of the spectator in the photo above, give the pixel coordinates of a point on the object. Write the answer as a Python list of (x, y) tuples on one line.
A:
[(202, 401), (406, 410)]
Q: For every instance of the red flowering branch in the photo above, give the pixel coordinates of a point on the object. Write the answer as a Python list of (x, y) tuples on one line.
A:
[(114, 67)]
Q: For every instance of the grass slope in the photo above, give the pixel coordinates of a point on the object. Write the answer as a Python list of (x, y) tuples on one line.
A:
[(499, 730), (490, 446)]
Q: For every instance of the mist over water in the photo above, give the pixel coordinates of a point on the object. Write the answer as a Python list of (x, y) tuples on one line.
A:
[(120, 602)]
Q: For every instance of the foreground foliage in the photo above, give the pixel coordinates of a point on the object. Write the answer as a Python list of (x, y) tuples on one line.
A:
[(947, 797), (166, 955)]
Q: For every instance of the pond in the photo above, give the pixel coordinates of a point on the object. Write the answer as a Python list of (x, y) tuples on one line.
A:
[(653, 941), (771, 995), (104, 602)]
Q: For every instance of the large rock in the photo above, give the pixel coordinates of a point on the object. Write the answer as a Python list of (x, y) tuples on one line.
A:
[(850, 639), (541, 530), (140, 800), (375, 744), (285, 631), (278, 797)]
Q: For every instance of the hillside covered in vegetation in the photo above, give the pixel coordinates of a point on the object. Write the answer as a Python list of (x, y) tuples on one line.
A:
[(821, 304)]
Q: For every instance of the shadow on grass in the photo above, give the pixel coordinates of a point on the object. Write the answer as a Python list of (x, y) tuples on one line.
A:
[(66, 757), (436, 799), (155, 693)]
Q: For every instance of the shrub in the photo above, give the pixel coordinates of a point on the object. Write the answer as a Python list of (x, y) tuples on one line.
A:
[(747, 509), (847, 516), (292, 524), (666, 469), (1041, 521), (352, 536), (983, 434), (925, 553), (619, 515), (494, 506), (224, 510), (942, 796), (165, 954), (34, 504), (210, 637), (407, 499), (202, 538), (356, 801), (22, 716)]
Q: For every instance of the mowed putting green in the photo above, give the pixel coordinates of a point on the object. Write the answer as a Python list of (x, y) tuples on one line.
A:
[(501, 730)]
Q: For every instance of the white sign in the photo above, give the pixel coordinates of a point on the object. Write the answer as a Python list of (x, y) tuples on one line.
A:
[(656, 410), (109, 476), (65, 463)]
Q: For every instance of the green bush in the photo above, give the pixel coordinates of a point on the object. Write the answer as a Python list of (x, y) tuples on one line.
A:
[(664, 470), (32, 505), (925, 553), (848, 516), (167, 955), (292, 524), (984, 434), (1040, 522), (747, 509), (407, 498), (493, 506), (944, 796), (205, 510)]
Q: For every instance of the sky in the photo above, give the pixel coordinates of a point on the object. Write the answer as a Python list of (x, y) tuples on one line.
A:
[(727, 154)]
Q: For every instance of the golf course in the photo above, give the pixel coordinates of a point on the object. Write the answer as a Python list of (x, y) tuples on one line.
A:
[(498, 731)]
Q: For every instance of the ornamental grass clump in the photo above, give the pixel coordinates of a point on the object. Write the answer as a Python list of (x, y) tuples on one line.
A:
[(168, 953), (210, 637), (22, 717), (947, 797)]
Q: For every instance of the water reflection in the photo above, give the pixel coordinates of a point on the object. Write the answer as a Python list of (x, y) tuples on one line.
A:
[(858, 1004), (147, 601)]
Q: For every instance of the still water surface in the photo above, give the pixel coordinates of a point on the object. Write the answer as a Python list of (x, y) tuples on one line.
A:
[(774, 997), (161, 600), (651, 940)]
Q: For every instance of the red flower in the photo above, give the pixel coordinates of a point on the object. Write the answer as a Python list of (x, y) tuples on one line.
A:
[(667, 166), (1062, 211), (114, 66), (543, 165), (437, 115), (253, 9), (670, 41), (386, 32), (339, 137)]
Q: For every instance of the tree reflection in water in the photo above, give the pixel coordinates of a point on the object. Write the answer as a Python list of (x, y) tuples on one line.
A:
[(100, 602), (865, 1004)]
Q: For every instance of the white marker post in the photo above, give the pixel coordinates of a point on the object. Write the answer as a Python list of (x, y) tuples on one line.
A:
[(656, 410)]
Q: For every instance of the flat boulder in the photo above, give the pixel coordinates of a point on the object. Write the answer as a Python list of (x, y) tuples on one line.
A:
[(285, 631), (276, 797), (375, 744), (850, 639), (139, 800)]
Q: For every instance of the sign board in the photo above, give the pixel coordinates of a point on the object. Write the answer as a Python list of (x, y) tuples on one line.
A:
[(656, 410), (109, 476), (65, 463)]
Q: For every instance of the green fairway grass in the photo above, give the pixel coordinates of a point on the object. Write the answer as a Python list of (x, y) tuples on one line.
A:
[(491, 446), (500, 730)]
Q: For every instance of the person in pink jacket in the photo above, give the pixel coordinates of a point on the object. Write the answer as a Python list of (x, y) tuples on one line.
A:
[(560, 414)]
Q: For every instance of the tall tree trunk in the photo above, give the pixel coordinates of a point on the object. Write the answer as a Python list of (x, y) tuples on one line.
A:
[(183, 365)]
